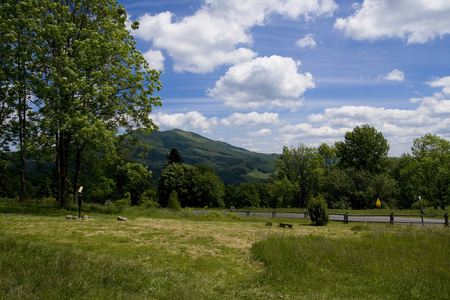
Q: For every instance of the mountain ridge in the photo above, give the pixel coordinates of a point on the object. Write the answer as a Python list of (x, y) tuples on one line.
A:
[(232, 164)]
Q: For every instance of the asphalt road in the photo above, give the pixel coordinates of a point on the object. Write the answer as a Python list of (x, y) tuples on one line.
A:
[(351, 218)]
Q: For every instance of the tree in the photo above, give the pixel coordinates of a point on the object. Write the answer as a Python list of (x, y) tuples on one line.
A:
[(432, 169), (91, 79), (173, 204), (208, 189), (18, 33), (281, 192), (197, 186), (303, 168), (174, 157), (248, 195), (328, 154), (364, 148), (317, 209)]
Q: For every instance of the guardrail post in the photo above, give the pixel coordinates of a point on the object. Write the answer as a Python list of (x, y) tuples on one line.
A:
[(346, 218), (247, 213), (392, 218), (274, 214), (306, 214), (446, 219), (231, 208)]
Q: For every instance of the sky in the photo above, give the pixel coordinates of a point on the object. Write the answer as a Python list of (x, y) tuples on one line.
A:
[(263, 74)]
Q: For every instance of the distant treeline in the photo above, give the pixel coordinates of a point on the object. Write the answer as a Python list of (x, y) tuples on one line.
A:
[(352, 173)]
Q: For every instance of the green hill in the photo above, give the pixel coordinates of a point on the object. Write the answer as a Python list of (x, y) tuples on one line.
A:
[(233, 165)]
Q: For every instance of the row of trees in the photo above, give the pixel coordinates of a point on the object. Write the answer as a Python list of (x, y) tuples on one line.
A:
[(350, 174), (71, 80)]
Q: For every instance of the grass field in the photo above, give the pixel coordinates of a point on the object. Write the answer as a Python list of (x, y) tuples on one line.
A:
[(161, 255)]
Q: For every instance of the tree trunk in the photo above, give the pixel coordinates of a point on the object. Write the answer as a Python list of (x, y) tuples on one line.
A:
[(76, 180), (63, 168), (22, 111)]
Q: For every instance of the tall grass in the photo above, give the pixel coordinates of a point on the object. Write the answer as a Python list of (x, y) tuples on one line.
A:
[(410, 263)]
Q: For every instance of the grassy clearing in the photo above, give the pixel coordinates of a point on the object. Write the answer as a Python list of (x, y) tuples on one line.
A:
[(161, 255)]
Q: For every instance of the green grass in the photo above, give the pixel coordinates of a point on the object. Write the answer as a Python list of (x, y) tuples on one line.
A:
[(162, 255), (399, 263)]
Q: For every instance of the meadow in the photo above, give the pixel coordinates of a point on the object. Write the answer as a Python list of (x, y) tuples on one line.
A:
[(165, 255)]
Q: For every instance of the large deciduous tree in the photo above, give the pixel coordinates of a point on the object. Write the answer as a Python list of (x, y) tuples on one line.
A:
[(18, 35), (364, 148), (91, 79), (432, 169), (362, 159), (303, 168)]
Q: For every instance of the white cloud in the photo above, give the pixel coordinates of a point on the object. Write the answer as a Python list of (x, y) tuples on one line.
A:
[(416, 21), (307, 41), (217, 33), (155, 59), (272, 81), (262, 132), (189, 121), (399, 126), (443, 82), (251, 119), (395, 75)]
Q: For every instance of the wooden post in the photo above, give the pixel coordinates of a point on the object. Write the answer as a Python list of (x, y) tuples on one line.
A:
[(306, 214), (446, 219), (231, 208), (346, 218), (392, 218), (274, 214), (247, 213)]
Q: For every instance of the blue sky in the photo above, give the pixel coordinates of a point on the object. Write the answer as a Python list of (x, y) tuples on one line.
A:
[(263, 74)]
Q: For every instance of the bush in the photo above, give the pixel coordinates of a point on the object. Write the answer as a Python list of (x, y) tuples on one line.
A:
[(174, 204), (317, 209)]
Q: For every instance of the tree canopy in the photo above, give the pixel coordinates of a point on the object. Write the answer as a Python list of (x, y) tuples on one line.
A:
[(85, 78)]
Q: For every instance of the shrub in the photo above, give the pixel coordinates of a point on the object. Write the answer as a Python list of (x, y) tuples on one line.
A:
[(317, 209), (174, 204), (125, 201)]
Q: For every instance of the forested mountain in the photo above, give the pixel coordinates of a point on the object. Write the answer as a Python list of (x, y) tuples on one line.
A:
[(233, 165)]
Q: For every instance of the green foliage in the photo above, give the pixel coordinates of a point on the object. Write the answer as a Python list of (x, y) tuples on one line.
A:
[(147, 199), (248, 195), (125, 201), (173, 204), (79, 62), (317, 209), (303, 168), (174, 157), (364, 148), (196, 186)]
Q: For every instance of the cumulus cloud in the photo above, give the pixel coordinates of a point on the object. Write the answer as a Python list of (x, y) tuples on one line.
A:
[(189, 121), (217, 33), (251, 119), (395, 75), (399, 126), (416, 21), (307, 41), (262, 132), (273, 81), (443, 82), (155, 59)]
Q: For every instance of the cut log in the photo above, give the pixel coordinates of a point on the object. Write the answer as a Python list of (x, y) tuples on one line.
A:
[(68, 217), (121, 218), (85, 217)]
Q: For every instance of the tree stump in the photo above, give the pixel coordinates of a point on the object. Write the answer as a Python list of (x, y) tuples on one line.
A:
[(68, 217), (85, 218)]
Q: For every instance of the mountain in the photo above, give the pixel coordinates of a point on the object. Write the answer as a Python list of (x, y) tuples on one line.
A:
[(232, 164)]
